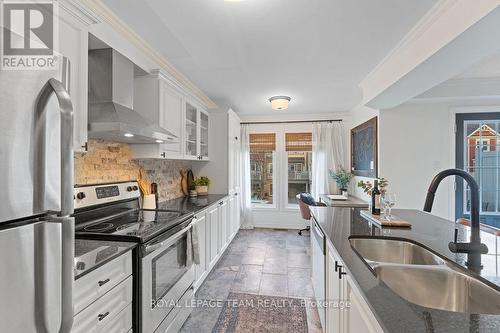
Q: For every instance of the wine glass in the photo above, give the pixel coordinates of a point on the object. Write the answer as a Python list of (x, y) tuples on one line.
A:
[(388, 201)]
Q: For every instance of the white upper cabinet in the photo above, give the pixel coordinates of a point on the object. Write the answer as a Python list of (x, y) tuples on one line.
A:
[(196, 124), (157, 99), (161, 103), (73, 44)]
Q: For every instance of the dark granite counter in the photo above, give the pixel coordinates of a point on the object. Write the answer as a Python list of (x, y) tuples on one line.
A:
[(191, 205), (394, 313), (91, 254)]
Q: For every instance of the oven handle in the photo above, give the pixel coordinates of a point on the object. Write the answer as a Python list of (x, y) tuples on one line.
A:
[(153, 247)]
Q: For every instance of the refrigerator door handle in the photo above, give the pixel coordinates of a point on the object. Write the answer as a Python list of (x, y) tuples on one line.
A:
[(56, 87)]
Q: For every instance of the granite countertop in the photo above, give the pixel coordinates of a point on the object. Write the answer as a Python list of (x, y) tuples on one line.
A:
[(350, 202), (394, 313), (91, 254), (191, 205)]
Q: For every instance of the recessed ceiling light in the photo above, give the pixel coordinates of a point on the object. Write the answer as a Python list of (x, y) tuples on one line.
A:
[(159, 141), (128, 135), (279, 102)]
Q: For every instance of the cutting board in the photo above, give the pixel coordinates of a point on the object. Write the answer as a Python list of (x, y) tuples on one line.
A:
[(395, 222)]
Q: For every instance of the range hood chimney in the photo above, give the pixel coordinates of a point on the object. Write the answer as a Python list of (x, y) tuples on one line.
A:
[(111, 102)]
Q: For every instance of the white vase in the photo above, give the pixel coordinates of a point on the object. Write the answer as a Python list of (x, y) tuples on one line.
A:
[(202, 190), (149, 201)]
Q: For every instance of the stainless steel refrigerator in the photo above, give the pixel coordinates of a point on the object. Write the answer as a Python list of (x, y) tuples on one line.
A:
[(36, 201)]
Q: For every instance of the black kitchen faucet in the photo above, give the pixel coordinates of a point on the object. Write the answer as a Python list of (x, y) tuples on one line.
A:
[(475, 245)]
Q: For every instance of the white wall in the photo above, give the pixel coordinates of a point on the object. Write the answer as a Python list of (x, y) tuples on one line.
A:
[(417, 140), (415, 143)]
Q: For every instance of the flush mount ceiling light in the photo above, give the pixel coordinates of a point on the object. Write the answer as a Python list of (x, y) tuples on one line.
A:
[(279, 102)]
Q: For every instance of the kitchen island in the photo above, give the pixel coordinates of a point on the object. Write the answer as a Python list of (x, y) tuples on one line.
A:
[(392, 312)]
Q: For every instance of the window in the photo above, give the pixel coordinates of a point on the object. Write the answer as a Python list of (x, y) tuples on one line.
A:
[(478, 153), (298, 147), (262, 157), (280, 164)]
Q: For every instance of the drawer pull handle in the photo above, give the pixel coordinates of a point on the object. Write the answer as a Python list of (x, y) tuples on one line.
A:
[(101, 316), (103, 282)]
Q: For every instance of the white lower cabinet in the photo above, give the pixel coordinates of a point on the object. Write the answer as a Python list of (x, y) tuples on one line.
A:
[(334, 293), (212, 233), (100, 315), (223, 230), (347, 311), (233, 215), (103, 298), (216, 229), (360, 317), (231, 223)]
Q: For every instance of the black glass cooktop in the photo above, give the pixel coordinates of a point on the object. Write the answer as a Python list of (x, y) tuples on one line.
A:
[(136, 225)]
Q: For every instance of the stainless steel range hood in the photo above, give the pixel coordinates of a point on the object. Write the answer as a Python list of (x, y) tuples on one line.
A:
[(111, 102)]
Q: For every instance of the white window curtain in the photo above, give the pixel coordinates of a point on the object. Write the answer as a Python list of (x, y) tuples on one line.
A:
[(246, 189), (327, 154)]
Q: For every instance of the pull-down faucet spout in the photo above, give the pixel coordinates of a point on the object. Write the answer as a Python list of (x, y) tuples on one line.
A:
[(475, 245)]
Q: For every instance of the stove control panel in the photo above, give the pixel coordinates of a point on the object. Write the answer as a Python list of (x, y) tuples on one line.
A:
[(90, 195)]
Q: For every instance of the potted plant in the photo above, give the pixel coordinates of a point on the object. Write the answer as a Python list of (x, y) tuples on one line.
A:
[(342, 177), (201, 185), (367, 186)]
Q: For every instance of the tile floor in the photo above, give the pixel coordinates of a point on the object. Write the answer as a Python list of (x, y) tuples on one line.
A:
[(259, 261)]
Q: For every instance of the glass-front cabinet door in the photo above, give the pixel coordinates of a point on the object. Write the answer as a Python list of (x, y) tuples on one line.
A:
[(196, 134), (191, 133), (203, 135)]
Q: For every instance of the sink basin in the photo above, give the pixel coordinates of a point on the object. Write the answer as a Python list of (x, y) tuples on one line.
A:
[(377, 250), (440, 287)]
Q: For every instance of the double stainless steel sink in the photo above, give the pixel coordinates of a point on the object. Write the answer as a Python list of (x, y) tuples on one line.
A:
[(423, 278), (378, 250)]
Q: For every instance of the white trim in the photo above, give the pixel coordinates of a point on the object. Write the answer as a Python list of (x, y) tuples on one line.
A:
[(400, 74), (107, 15), (424, 24), (79, 11)]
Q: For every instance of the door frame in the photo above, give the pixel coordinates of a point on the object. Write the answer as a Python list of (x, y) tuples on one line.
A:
[(460, 118)]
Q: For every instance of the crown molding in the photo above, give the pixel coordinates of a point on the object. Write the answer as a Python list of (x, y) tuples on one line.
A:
[(79, 11), (107, 15), (414, 34), (441, 25)]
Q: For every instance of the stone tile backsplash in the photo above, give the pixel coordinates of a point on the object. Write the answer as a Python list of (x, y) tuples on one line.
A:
[(107, 162)]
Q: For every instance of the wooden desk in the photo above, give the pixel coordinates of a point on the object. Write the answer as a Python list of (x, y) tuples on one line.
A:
[(350, 202)]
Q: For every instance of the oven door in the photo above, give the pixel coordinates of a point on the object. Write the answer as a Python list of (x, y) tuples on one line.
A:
[(166, 275)]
